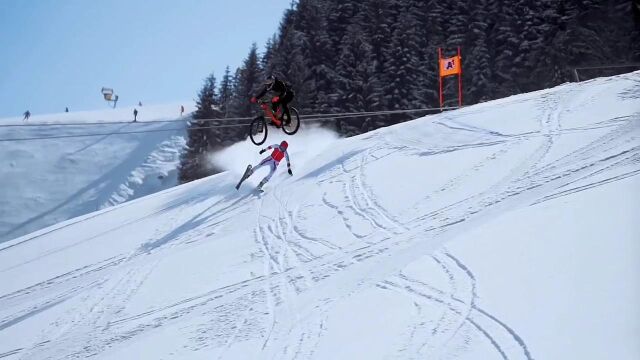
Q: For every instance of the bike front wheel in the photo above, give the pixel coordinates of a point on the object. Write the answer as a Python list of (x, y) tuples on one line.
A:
[(292, 126), (258, 130)]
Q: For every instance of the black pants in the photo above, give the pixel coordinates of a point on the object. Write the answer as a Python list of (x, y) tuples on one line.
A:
[(284, 102)]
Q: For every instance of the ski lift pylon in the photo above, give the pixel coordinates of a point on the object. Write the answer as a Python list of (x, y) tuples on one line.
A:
[(109, 96)]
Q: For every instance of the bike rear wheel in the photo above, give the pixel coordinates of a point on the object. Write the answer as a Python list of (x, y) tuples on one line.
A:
[(294, 124), (258, 130)]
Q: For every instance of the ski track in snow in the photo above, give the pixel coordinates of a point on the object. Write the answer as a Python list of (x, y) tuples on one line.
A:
[(288, 307)]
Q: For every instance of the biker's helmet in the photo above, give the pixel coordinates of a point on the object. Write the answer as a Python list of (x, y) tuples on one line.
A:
[(284, 145), (270, 80)]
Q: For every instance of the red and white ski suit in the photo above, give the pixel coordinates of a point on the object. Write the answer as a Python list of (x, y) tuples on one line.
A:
[(273, 161)]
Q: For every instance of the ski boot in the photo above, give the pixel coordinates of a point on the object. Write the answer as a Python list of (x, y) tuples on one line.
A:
[(260, 185)]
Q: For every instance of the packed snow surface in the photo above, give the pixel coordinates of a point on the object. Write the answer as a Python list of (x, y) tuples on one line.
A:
[(505, 230), (56, 172)]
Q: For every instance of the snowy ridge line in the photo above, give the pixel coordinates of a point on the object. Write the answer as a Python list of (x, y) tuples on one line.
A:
[(96, 123), (317, 115), (308, 118), (325, 118), (108, 134)]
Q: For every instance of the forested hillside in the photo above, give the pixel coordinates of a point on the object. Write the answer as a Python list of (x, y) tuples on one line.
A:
[(346, 56)]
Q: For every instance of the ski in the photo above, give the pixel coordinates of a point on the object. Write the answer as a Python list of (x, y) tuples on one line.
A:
[(246, 174)]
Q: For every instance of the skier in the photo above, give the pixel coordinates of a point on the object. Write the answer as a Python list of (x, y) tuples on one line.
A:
[(273, 160), (181, 110), (135, 115), (27, 115), (283, 96)]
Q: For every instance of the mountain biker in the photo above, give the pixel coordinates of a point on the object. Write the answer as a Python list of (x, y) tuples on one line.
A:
[(272, 160), (283, 96)]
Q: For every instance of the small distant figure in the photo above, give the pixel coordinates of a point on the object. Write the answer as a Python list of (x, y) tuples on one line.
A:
[(139, 103), (66, 109), (27, 115), (135, 115), (181, 110)]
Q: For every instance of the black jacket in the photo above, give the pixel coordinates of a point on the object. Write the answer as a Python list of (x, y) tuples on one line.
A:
[(278, 87)]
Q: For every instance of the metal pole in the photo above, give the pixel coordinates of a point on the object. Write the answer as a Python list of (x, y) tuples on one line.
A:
[(459, 79), (440, 76)]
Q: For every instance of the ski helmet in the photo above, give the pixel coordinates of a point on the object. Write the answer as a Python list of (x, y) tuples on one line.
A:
[(284, 144), (270, 79)]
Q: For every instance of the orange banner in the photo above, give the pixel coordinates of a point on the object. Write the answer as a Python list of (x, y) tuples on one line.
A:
[(450, 66)]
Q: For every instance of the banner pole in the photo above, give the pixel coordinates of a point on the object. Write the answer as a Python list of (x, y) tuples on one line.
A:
[(440, 75), (459, 78)]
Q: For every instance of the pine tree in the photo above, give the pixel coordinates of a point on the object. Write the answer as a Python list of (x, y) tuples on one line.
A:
[(201, 137), (317, 55), (266, 61), (347, 55), (279, 59), (477, 60), (207, 99), (354, 85), (377, 32), (402, 67), (226, 92), (635, 33), (248, 82)]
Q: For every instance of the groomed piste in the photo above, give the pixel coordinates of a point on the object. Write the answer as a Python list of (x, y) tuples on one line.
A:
[(504, 230)]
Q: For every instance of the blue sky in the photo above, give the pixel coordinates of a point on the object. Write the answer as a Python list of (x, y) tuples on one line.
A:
[(58, 53)]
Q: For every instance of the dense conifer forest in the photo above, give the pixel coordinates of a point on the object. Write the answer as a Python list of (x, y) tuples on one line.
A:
[(352, 56)]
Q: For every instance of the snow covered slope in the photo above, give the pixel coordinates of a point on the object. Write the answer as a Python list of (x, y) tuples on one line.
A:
[(506, 230), (47, 181)]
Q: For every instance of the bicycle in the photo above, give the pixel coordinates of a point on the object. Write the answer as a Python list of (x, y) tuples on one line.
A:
[(258, 127)]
